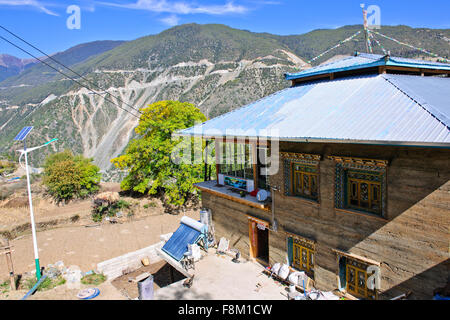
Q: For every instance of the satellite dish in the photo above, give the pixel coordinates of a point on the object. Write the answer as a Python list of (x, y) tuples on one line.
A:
[(262, 195)]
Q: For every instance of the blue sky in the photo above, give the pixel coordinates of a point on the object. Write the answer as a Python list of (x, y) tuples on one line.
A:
[(43, 22)]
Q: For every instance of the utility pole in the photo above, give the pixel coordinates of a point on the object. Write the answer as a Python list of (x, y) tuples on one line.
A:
[(33, 226), (21, 137)]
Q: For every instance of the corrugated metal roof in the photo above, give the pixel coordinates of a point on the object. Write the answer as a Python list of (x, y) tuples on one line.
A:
[(381, 109), (430, 92), (177, 245), (363, 61)]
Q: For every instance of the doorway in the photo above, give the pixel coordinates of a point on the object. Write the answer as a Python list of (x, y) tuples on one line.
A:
[(259, 241)]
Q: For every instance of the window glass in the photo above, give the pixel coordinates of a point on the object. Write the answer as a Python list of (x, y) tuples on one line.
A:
[(236, 160), (305, 181), (364, 191)]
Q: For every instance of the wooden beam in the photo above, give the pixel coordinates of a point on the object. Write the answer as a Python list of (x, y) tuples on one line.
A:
[(7, 251), (218, 154), (418, 70), (357, 257), (235, 199)]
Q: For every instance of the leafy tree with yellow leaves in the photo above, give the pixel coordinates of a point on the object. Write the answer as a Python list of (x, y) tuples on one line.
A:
[(148, 158)]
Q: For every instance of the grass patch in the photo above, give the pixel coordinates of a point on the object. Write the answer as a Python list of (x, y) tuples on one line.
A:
[(47, 284), (93, 279), (150, 205), (4, 287)]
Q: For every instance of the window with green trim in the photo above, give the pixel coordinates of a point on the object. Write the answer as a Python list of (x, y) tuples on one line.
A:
[(361, 187), (356, 276), (363, 191), (301, 255), (305, 181)]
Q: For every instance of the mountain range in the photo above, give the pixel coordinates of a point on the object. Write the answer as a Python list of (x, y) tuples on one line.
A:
[(215, 67)]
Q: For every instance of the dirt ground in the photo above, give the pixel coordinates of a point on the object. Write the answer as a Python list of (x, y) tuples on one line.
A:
[(67, 233), (107, 292), (86, 246), (161, 278), (14, 211)]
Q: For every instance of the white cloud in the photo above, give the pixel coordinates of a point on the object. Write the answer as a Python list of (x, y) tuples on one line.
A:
[(180, 7), (171, 20), (29, 3)]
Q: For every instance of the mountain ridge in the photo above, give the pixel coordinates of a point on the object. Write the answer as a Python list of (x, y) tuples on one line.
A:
[(216, 67)]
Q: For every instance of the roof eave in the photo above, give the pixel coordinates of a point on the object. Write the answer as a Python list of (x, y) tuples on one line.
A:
[(327, 140), (293, 76), (393, 63)]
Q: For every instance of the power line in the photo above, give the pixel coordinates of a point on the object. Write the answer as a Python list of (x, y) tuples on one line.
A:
[(336, 46), (76, 81), (412, 47), (68, 68)]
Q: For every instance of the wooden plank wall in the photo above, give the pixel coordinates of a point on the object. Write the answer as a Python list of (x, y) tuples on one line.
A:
[(412, 244)]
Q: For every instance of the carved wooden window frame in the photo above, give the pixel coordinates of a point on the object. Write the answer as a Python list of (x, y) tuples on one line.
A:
[(289, 161), (341, 189)]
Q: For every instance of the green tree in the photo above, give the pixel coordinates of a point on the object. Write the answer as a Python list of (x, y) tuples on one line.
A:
[(67, 176), (148, 158)]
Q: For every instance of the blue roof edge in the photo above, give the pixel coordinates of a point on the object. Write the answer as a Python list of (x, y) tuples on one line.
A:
[(392, 61), (293, 76)]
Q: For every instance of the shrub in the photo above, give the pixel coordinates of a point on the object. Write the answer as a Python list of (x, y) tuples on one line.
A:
[(7, 167), (67, 176), (108, 209)]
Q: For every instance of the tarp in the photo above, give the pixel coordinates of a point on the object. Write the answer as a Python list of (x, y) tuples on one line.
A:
[(177, 245)]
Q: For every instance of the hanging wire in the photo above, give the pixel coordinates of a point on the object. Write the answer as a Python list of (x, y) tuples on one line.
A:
[(412, 47), (68, 68), (74, 80), (335, 47)]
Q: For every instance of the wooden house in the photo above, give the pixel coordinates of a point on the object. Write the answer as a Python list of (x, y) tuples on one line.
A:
[(359, 176)]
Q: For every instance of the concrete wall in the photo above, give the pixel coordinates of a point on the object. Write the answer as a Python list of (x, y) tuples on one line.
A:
[(412, 243), (129, 262)]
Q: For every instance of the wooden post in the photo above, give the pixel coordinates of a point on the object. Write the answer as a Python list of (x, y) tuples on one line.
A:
[(206, 160), (9, 262), (218, 157), (255, 164)]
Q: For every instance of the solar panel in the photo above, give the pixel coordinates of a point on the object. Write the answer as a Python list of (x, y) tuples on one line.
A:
[(23, 133), (177, 245)]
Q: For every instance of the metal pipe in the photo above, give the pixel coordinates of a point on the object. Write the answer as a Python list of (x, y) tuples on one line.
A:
[(274, 224), (32, 290)]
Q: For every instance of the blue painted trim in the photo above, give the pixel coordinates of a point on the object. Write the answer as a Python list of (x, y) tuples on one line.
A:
[(294, 76), (380, 62)]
